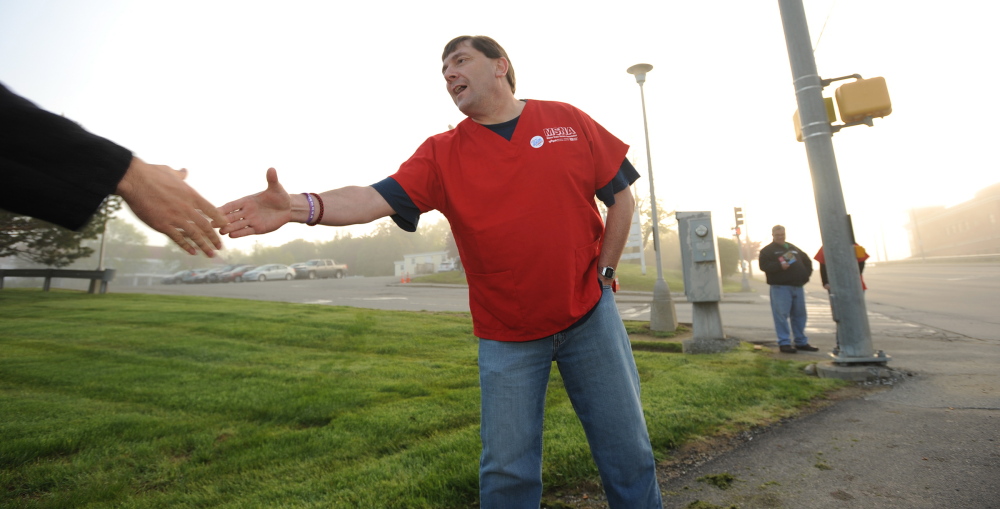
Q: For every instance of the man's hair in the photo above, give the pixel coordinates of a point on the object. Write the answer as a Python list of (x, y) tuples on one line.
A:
[(486, 46), (777, 227)]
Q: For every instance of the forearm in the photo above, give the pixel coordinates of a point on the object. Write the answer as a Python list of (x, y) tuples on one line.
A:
[(616, 229), (54, 169), (342, 207)]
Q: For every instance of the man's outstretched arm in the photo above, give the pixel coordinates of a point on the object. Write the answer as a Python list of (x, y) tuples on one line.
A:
[(272, 208)]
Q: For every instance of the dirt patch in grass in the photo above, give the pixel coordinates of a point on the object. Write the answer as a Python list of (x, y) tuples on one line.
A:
[(647, 340), (639, 331)]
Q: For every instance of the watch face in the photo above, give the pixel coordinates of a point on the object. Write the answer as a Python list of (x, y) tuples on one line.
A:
[(608, 272)]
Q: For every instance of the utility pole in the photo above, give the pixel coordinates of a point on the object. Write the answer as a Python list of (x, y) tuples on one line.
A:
[(104, 241), (846, 294), (916, 233)]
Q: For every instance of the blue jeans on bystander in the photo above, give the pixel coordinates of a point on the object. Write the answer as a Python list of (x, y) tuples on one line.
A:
[(788, 304)]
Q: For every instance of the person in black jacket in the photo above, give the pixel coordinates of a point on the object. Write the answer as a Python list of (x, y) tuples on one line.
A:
[(787, 269), (54, 170)]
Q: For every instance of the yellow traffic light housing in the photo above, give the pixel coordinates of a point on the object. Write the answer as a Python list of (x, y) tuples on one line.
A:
[(859, 102), (831, 115), (863, 98)]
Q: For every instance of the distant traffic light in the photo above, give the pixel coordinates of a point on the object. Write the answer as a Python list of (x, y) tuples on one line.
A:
[(739, 217), (863, 98)]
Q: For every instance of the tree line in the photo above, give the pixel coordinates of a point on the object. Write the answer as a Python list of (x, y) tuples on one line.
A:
[(371, 254)]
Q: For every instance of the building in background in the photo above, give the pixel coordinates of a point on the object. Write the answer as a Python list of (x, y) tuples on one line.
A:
[(424, 263), (969, 228)]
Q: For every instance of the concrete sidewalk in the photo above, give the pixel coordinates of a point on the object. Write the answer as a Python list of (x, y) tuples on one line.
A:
[(928, 439)]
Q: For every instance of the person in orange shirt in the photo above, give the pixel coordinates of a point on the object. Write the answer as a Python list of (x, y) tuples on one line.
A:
[(861, 255)]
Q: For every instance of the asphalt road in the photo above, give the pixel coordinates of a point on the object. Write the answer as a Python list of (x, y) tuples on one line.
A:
[(958, 298), (365, 292)]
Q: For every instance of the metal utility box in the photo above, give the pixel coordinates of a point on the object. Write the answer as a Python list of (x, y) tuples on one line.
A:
[(699, 248)]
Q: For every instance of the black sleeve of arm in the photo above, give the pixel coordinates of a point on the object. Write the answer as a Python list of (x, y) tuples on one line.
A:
[(625, 177), (407, 214), (52, 168), (768, 262)]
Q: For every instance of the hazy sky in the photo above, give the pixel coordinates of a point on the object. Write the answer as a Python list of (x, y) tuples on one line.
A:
[(337, 93)]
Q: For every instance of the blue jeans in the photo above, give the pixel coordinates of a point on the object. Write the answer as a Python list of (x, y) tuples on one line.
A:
[(598, 370), (788, 304)]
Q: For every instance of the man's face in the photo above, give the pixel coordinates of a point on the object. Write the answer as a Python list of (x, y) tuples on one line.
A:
[(778, 236), (471, 78)]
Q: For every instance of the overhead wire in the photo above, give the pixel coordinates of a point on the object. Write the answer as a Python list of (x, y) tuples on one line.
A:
[(823, 29)]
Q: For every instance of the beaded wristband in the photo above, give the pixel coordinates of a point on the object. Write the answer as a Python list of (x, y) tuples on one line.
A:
[(312, 208), (321, 209)]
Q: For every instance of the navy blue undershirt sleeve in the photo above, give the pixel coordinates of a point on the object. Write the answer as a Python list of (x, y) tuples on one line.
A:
[(625, 177), (407, 214)]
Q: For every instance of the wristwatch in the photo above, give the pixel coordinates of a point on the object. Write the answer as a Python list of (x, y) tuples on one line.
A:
[(607, 272)]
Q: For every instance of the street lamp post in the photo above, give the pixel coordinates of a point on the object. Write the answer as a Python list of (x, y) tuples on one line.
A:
[(662, 315)]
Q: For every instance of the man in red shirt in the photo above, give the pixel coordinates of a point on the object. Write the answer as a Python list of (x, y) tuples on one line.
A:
[(517, 181)]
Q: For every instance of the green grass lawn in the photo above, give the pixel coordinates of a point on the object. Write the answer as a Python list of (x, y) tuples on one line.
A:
[(141, 401), (630, 277)]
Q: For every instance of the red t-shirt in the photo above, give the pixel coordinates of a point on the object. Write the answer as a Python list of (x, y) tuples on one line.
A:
[(523, 214)]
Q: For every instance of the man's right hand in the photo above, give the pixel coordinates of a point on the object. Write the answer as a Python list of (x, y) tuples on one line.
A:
[(258, 213)]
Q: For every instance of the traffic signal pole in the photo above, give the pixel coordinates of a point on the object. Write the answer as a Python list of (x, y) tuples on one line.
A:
[(846, 294), (744, 284)]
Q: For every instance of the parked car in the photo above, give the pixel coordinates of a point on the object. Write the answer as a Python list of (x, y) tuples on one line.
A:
[(270, 271), (235, 274), (174, 278), (320, 269), (194, 276), (212, 276)]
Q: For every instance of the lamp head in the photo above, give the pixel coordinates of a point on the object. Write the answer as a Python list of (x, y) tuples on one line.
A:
[(639, 70)]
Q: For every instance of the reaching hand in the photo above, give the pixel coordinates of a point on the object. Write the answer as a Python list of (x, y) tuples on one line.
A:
[(258, 213), (159, 197)]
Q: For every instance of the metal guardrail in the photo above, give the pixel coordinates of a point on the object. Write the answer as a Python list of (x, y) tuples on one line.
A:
[(95, 276)]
